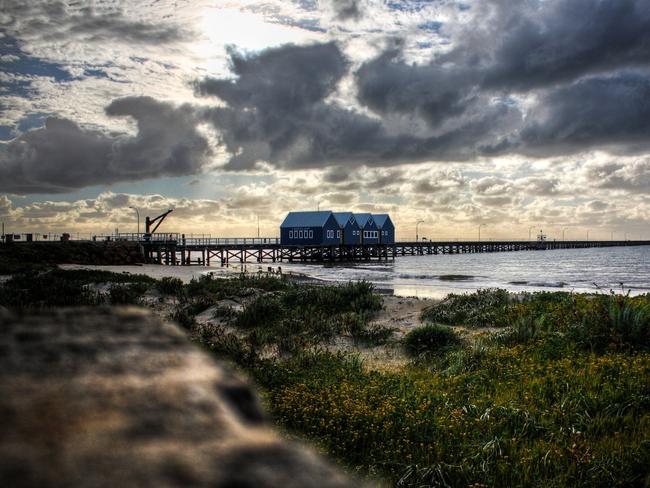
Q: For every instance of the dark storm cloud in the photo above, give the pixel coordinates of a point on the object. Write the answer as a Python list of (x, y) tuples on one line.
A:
[(59, 21), (583, 61), (388, 84), (282, 80), (277, 111), (61, 156), (593, 112), (537, 44)]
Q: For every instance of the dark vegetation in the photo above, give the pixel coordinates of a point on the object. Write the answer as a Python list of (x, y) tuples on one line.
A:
[(485, 308), (558, 396), (593, 322), (61, 288), (291, 318), (24, 256), (429, 339)]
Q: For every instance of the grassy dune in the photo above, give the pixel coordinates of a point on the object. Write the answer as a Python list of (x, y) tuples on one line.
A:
[(544, 389)]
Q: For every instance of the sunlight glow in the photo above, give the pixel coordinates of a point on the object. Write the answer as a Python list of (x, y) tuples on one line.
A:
[(229, 26)]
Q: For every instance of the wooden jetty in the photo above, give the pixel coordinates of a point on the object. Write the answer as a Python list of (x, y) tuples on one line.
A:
[(178, 250)]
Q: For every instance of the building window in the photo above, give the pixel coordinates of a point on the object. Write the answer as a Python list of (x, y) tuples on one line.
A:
[(311, 234), (300, 234), (290, 234), (338, 234)]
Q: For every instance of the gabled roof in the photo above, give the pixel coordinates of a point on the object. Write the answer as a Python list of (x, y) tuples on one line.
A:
[(381, 219), (306, 219), (363, 218), (342, 218)]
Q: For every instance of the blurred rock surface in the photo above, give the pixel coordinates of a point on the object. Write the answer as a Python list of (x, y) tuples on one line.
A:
[(116, 397)]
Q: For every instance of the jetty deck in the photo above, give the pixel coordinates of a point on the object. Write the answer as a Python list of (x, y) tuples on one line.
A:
[(209, 251)]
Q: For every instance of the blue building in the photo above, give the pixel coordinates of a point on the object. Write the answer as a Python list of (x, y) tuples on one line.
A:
[(348, 232), (310, 229), (367, 227), (386, 228)]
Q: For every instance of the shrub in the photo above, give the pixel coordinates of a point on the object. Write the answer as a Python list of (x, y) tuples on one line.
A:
[(170, 286), (265, 310), (349, 297), (183, 317), (630, 320), (429, 339), (483, 308), (38, 290), (126, 294)]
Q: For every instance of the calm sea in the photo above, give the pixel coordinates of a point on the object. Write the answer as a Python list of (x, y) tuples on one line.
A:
[(620, 269)]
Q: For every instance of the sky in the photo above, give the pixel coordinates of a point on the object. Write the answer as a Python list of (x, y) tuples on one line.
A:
[(511, 116)]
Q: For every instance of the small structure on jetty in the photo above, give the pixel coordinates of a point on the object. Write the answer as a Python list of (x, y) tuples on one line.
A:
[(368, 228), (310, 228), (327, 228), (386, 229), (348, 228)]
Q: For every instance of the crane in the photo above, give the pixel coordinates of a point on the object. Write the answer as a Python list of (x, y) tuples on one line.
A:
[(148, 231)]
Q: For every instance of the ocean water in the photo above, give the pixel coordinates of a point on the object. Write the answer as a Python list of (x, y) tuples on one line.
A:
[(620, 269)]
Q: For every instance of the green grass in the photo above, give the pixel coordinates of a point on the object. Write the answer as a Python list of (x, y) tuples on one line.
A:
[(516, 419), (559, 397), (294, 317), (484, 308)]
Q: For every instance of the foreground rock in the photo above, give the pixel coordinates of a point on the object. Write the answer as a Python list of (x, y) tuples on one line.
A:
[(116, 397)]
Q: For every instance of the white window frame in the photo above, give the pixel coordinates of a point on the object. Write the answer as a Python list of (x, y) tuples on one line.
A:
[(290, 234), (338, 234), (311, 234), (300, 233)]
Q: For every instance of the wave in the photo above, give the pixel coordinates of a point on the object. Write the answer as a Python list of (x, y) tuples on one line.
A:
[(540, 284), (456, 277), (448, 277)]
